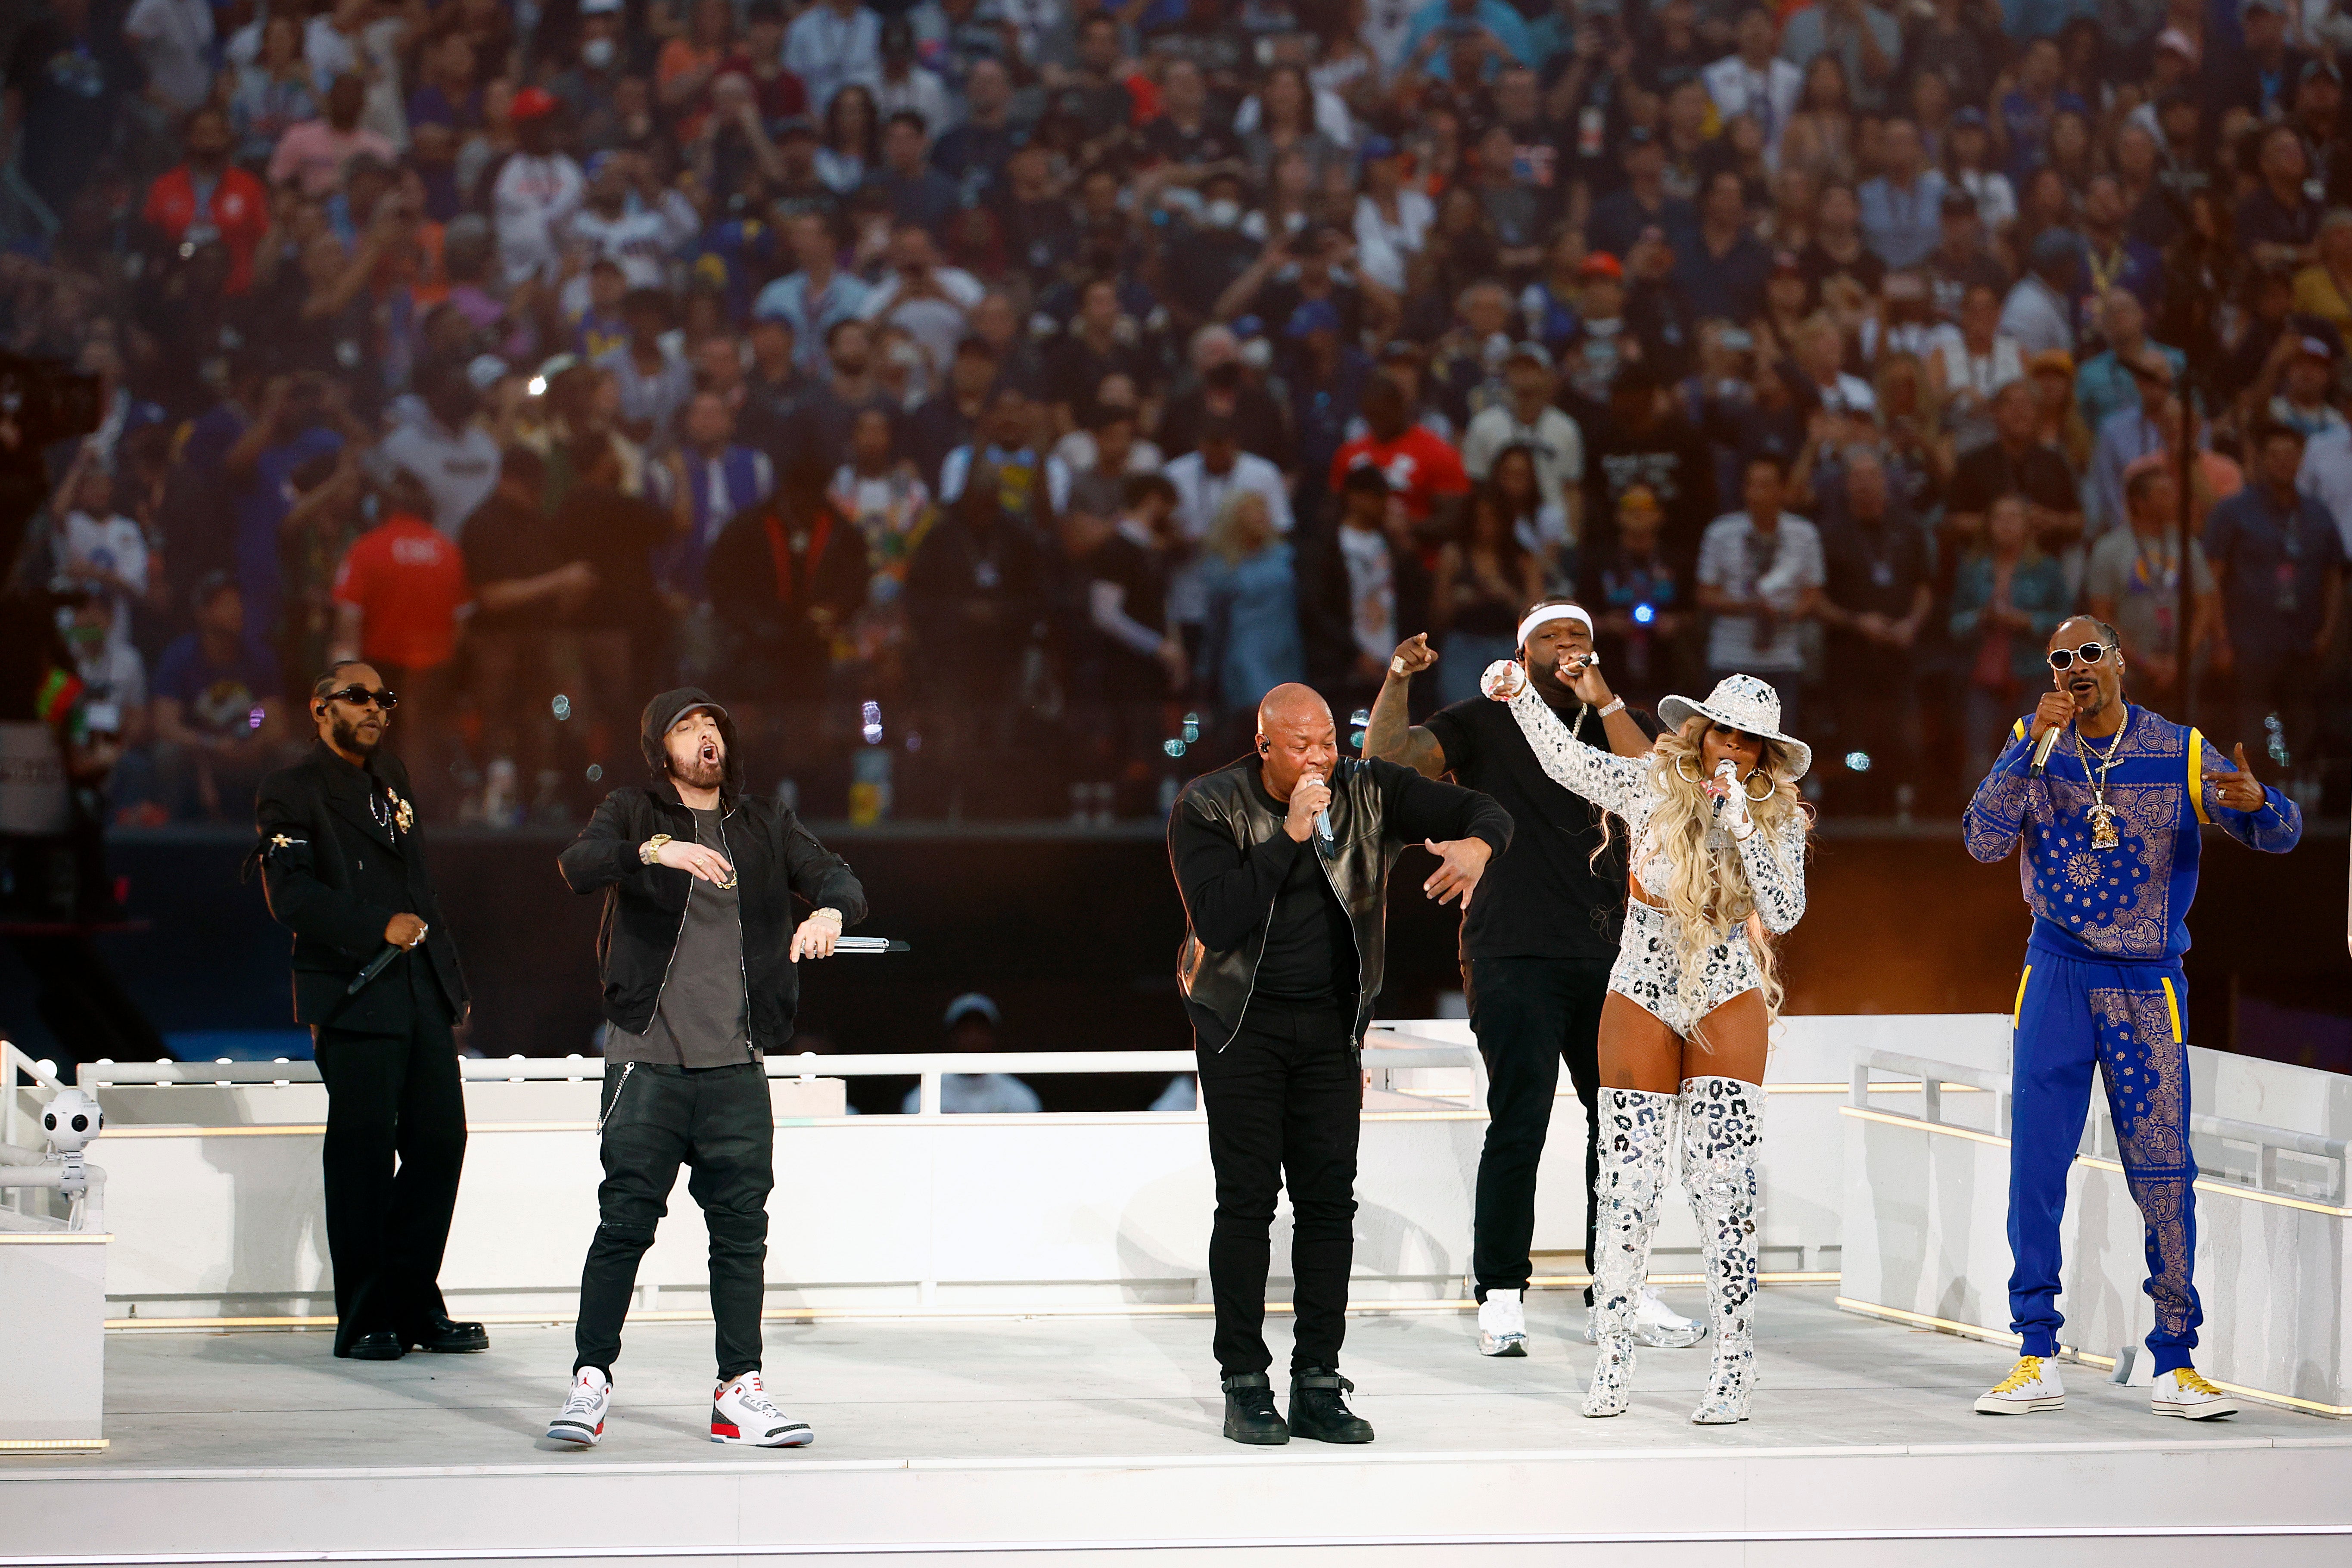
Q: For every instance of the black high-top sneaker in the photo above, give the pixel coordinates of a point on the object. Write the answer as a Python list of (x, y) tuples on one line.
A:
[(1318, 1411), (1250, 1415)]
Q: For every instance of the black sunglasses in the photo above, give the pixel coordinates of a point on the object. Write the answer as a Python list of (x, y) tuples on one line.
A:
[(2063, 659), (359, 696)]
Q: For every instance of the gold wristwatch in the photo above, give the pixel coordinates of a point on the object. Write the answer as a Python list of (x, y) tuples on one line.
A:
[(650, 850)]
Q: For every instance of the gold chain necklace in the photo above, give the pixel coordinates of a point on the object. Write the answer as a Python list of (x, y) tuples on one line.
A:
[(2103, 816)]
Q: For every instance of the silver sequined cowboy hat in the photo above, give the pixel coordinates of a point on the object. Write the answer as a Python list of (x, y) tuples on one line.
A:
[(1743, 703)]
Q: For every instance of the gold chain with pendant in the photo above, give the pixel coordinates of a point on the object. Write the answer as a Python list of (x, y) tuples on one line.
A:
[(2103, 816)]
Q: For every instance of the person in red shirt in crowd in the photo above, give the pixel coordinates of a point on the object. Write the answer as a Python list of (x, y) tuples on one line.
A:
[(207, 199), (1424, 469), (397, 596)]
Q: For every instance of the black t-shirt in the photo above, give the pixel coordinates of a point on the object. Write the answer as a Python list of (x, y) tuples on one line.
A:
[(1165, 141), (1989, 473), (1143, 585), (1872, 568), (1818, 267), (1545, 897), (1311, 949), (1671, 460), (504, 543), (616, 534)]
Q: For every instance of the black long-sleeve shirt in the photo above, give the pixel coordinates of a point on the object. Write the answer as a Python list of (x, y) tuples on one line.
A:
[(1229, 893)]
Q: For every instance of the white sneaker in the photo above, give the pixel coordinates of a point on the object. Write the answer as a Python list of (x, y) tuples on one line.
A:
[(740, 1412), (1502, 1325), (2032, 1384), (2186, 1394), (1657, 1325), (580, 1422)]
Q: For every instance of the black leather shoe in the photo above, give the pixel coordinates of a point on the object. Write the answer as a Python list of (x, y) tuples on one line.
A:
[(383, 1346), (445, 1337), (1316, 1410), (1250, 1415)]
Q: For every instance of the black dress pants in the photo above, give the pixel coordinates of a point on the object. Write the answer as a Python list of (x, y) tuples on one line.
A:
[(1529, 1014), (395, 1143), (1283, 1099), (656, 1118)]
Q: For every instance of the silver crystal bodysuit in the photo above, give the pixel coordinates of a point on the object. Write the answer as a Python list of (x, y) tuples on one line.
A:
[(1649, 968)]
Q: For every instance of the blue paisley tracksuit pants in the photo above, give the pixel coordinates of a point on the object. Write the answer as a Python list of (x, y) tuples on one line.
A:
[(2126, 1018)]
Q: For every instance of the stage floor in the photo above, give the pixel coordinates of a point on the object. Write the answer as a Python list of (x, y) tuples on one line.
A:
[(1081, 1438)]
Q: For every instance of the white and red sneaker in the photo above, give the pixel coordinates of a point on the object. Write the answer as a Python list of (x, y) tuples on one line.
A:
[(740, 1412), (580, 1422)]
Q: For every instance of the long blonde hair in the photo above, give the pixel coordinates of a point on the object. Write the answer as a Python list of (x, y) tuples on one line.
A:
[(1707, 893)]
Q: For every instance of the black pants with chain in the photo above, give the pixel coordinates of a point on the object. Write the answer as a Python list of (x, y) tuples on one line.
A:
[(1283, 1098), (655, 1119), (1530, 1015)]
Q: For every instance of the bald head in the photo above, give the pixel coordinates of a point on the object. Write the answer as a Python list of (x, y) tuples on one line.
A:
[(1290, 705), (1294, 737)]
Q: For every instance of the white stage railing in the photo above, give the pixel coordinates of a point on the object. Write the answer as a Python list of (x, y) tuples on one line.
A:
[(1926, 1206)]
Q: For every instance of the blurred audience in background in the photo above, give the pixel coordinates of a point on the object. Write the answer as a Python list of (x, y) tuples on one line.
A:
[(997, 399)]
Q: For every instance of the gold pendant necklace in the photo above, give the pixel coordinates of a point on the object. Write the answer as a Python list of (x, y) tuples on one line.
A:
[(2103, 816)]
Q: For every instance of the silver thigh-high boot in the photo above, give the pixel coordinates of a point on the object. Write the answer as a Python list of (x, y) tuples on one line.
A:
[(1722, 1128), (1637, 1140)]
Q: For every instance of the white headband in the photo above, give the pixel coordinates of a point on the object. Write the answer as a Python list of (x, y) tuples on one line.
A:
[(1542, 613)]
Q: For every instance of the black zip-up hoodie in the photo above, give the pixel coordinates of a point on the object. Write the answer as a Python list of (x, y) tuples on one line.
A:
[(775, 858)]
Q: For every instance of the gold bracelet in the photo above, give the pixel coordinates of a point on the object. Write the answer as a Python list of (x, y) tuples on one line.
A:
[(650, 850)]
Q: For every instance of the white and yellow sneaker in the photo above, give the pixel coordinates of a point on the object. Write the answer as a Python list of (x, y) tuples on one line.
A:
[(2186, 1394), (2032, 1384)]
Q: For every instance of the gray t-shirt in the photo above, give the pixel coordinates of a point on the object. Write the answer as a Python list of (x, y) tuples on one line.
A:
[(2143, 577), (703, 1017)]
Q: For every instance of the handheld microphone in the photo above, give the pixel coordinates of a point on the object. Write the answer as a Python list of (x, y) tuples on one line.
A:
[(2042, 753), (376, 966), (1322, 816), (1726, 773)]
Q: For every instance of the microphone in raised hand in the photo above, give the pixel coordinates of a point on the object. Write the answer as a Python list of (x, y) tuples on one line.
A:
[(1322, 812)]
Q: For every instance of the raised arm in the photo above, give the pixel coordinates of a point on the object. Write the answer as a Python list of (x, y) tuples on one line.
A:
[(1610, 781), (2007, 799), (1392, 736), (605, 854), (1228, 891)]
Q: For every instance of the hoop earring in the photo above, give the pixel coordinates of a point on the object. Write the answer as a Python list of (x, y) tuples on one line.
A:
[(1771, 784), (1688, 778)]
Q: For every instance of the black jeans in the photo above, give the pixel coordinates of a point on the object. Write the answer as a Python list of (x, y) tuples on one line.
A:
[(655, 1117), (1283, 1099), (1530, 1014), (391, 1098)]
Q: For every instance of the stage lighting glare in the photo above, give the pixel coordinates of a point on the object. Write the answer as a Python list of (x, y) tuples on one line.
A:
[(561, 707), (1645, 614), (536, 386), (1858, 761), (596, 772), (1174, 748)]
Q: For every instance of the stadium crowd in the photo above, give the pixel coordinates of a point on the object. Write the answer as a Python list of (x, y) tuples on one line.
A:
[(993, 398)]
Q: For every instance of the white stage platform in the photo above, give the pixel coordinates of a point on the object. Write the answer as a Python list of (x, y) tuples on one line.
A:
[(1094, 1439)]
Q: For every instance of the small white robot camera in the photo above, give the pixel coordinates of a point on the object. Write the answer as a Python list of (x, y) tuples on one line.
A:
[(72, 1120)]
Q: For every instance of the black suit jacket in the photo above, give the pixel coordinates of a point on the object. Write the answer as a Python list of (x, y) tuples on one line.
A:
[(335, 876)]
